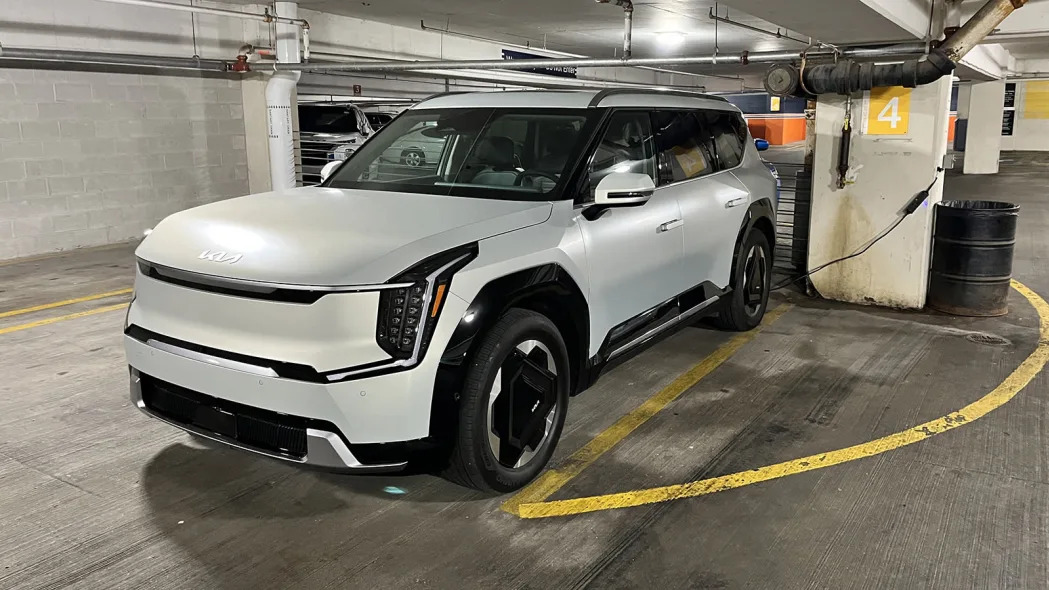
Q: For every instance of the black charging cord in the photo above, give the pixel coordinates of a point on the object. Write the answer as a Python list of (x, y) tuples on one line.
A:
[(911, 207)]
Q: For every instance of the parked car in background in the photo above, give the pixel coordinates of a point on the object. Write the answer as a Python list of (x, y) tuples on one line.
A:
[(324, 127), (414, 150), (447, 306), (378, 120)]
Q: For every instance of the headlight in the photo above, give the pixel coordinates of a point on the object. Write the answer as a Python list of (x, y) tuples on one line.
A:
[(408, 313), (342, 152)]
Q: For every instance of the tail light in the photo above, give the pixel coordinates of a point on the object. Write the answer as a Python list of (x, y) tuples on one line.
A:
[(408, 312)]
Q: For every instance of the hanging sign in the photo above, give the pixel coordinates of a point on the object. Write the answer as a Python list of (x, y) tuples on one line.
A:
[(563, 72)]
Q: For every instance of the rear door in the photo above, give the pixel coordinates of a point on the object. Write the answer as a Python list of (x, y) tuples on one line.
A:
[(712, 201)]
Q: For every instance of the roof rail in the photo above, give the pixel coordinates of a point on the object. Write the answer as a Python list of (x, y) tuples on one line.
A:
[(440, 94), (600, 96)]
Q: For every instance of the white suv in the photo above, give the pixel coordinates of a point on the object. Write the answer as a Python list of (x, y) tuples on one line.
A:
[(394, 311)]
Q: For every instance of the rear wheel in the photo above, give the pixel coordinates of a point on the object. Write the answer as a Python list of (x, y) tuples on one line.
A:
[(512, 405), (747, 302)]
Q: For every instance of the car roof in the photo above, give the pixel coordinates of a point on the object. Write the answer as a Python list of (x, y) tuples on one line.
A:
[(575, 99)]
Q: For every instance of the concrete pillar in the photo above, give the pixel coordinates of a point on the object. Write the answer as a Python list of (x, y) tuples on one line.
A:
[(964, 95), (886, 172), (983, 144)]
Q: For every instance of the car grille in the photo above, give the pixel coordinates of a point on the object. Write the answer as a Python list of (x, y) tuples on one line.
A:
[(267, 431)]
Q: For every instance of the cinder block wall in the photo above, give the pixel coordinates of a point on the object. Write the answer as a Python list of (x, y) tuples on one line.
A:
[(88, 158)]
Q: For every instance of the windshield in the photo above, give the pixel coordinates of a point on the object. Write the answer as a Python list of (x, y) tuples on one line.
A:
[(327, 119), (514, 154)]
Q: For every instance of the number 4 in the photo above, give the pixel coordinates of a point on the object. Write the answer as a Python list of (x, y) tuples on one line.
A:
[(891, 113)]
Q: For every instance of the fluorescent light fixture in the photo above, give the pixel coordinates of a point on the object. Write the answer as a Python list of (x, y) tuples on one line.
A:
[(670, 39)]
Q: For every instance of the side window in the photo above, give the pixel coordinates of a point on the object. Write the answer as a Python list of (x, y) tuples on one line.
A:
[(627, 146), (684, 145), (730, 137)]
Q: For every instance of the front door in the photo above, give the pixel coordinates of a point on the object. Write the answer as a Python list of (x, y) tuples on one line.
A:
[(634, 253)]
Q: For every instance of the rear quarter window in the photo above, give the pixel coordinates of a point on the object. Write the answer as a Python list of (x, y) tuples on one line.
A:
[(729, 132)]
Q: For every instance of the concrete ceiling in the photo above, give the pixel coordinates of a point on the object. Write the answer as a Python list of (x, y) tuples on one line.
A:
[(574, 26)]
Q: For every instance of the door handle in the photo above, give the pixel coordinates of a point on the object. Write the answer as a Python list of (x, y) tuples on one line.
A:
[(735, 202), (665, 227)]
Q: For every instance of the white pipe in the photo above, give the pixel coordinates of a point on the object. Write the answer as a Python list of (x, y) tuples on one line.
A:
[(279, 103)]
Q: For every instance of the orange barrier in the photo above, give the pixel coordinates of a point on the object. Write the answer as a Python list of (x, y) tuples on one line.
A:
[(778, 130), (784, 130)]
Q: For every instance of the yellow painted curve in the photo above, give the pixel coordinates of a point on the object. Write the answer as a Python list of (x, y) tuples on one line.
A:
[(1001, 394)]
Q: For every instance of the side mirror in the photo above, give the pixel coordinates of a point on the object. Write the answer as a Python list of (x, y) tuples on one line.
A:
[(761, 144), (329, 168), (624, 188)]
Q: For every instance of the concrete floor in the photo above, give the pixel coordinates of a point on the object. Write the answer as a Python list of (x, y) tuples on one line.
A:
[(95, 495)]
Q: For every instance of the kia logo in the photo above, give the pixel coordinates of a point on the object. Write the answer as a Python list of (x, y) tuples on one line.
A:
[(219, 256)]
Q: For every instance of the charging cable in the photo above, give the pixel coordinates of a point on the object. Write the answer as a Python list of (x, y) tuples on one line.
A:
[(911, 207)]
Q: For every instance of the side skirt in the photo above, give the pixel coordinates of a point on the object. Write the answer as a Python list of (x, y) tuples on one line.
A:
[(636, 334)]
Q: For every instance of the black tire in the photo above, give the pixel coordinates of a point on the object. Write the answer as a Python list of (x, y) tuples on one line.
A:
[(473, 461), (414, 158), (743, 309)]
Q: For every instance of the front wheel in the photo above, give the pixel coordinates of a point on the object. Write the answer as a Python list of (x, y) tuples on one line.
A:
[(747, 302), (512, 405)]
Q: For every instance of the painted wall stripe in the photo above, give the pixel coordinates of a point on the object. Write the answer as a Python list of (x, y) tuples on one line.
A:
[(1005, 391)]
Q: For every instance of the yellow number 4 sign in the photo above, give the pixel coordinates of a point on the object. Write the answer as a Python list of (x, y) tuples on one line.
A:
[(889, 111)]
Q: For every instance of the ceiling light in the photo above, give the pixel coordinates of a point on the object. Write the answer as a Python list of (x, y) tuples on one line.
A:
[(670, 39)]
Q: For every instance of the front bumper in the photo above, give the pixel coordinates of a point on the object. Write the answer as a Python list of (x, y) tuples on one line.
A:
[(318, 448)]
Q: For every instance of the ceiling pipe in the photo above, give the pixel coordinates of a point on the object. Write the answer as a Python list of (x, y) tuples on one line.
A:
[(265, 17), (422, 25), (96, 58), (745, 58), (777, 34), (983, 23), (1015, 37), (628, 22), (846, 76)]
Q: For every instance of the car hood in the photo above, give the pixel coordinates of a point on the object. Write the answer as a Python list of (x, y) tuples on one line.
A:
[(328, 236)]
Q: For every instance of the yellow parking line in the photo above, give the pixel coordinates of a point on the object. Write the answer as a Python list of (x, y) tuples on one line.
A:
[(61, 318), (554, 479), (7, 314), (1005, 391)]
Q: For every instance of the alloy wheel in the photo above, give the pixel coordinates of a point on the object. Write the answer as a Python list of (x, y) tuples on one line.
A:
[(755, 271), (522, 404), (413, 159)]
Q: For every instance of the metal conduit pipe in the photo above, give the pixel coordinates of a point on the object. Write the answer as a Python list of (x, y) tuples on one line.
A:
[(59, 56), (848, 76), (526, 64), (628, 22), (777, 33)]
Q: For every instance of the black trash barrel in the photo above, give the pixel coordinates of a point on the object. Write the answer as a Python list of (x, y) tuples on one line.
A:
[(972, 257)]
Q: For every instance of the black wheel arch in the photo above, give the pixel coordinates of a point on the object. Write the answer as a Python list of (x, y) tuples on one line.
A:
[(761, 216), (547, 289)]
